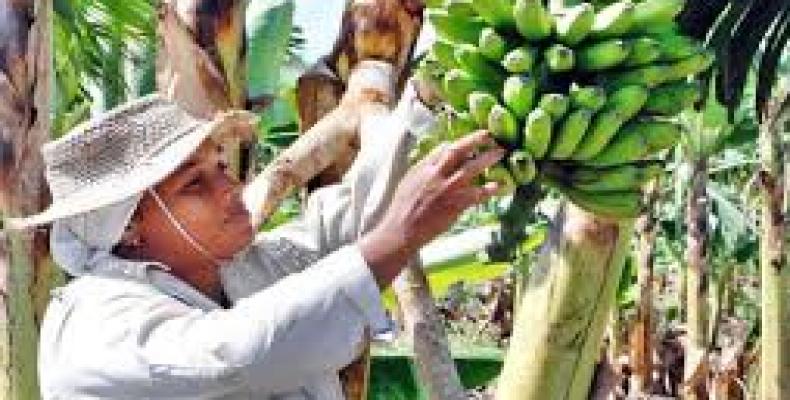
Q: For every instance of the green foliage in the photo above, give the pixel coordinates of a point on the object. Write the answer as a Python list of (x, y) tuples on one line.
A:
[(744, 34), (92, 40), (442, 276), (269, 27)]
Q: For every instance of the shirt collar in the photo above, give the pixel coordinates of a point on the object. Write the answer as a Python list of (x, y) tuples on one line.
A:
[(157, 275)]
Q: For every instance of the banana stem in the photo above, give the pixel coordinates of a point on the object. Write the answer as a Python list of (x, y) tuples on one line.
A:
[(558, 330)]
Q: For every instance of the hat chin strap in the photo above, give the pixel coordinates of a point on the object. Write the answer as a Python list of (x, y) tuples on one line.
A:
[(180, 228)]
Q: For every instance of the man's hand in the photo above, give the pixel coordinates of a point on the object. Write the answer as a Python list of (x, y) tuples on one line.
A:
[(431, 196)]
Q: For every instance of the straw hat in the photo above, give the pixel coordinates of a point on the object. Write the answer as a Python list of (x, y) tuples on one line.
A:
[(122, 153)]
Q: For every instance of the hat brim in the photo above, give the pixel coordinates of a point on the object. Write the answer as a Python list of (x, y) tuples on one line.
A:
[(145, 174)]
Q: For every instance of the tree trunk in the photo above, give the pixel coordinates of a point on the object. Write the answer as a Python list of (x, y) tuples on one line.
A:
[(557, 334), (643, 330), (26, 272), (698, 276), (775, 360), (425, 330)]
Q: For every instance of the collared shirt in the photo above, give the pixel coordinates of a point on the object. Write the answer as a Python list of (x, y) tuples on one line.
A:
[(302, 298)]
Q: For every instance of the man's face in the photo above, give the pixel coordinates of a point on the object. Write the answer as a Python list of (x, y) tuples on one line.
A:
[(203, 196)]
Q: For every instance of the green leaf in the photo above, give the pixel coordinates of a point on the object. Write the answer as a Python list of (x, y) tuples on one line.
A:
[(730, 224), (269, 26)]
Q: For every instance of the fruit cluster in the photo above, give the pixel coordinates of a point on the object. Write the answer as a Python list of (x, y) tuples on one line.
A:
[(582, 98)]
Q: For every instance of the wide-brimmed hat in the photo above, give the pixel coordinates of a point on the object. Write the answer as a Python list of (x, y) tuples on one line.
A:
[(123, 152)]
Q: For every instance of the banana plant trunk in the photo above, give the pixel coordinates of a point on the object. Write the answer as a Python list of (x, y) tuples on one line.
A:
[(775, 354), (698, 279), (642, 334), (557, 334), (26, 271)]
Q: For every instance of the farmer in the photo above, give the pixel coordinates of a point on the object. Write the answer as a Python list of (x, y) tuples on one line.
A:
[(174, 295)]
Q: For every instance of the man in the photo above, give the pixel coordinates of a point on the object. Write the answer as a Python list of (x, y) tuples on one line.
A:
[(175, 299)]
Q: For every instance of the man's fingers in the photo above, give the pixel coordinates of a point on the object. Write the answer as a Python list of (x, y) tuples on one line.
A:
[(435, 155), (462, 150), (476, 166), (469, 196)]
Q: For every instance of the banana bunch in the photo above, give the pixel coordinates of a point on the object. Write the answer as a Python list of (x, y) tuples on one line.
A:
[(583, 98)]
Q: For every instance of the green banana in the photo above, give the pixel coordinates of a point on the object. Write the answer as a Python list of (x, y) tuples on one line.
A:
[(519, 94), (457, 84), (492, 45), (498, 13), (537, 133), (603, 127), (533, 21), (455, 28), (570, 134), (621, 106), (480, 104), (648, 76), (644, 50), (460, 125), (444, 53), (592, 98), (519, 60), (522, 167), (656, 13), (575, 23), (674, 46), (628, 100), (660, 136), (603, 55), (503, 125), (614, 20), (501, 176), (559, 58), (616, 205), (555, 104), (472, 61), (672, 98), (614, 179), (636, 141), (691, 65)]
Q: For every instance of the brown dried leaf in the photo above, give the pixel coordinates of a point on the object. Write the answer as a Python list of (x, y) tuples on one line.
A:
[(185, 72)]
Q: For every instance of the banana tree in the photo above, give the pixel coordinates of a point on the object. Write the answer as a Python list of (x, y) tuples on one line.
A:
[(737, 30), (775, 355), (641, 339), (705, 134), (27, 273), (743, 33), (558, 331)]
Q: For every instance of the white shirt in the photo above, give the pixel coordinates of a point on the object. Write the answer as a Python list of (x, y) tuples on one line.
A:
[(302, 297)]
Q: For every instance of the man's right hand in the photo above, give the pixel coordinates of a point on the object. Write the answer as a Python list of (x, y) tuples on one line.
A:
[(430, 197)]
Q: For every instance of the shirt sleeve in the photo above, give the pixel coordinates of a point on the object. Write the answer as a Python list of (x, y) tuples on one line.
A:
[(337, 215), (151, 346)]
